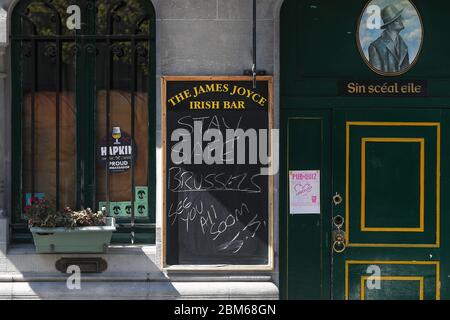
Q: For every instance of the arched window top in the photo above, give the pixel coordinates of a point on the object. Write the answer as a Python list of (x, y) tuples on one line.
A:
[(99, 17)]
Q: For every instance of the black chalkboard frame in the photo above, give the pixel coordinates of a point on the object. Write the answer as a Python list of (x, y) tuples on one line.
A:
[(164, 232)]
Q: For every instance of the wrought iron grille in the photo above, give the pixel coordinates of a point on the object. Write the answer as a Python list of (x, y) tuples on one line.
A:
[(112, 51)]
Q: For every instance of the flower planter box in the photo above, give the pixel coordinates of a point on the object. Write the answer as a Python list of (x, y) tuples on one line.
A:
[(77, 240)]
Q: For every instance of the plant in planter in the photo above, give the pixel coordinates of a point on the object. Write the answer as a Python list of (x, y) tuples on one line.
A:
[(68, 231)]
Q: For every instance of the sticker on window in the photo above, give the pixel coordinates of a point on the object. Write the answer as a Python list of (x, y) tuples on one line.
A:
[(121, 152)]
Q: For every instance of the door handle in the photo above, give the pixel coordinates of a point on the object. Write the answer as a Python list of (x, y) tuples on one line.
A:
[(338, 234)]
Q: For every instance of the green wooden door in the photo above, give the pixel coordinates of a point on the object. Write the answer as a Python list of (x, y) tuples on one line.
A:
[(397, 216), (304, 238), (388, 168)]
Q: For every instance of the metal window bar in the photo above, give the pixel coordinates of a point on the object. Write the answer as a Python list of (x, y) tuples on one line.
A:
[(133, 116), (254, 45), (34, 57), (97, 38), (56, 19), (133, 112), (109, 81)]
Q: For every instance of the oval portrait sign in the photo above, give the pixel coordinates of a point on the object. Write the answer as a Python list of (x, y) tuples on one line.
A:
[(390, 36)]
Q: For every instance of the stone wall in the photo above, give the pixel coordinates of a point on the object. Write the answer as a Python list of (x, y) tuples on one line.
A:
[(2, 25), (3, 152)]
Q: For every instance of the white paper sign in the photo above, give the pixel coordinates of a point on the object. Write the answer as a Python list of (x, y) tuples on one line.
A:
[(304, 192)]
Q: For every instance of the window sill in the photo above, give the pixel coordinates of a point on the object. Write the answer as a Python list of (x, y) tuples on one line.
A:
[(29, 249)]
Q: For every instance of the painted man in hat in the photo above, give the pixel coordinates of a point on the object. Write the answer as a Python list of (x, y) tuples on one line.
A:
[(389, 53)]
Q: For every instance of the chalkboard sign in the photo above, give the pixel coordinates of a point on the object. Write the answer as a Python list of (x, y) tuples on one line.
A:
[(217, 200)]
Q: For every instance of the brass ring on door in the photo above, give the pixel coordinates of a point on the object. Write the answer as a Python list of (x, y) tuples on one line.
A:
[(337, 249)]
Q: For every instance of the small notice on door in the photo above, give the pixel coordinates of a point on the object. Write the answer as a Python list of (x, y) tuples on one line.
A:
[(304, 192)]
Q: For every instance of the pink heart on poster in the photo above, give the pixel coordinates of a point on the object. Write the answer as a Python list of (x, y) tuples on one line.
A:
[(302, 189)]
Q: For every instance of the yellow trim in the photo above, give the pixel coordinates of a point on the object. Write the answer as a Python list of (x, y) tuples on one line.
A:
[(347, 183), (438, 175), (393, 245), (421, 227), (392, 278), (438, 187), (394, 124), (375, 262)]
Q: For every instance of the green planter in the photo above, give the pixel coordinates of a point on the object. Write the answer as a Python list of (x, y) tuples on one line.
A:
[(77, 240)]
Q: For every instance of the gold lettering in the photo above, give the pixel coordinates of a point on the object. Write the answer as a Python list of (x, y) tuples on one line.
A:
[(351, 87), (180, 97), (207, 88), (234, 104), (204, 105)]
